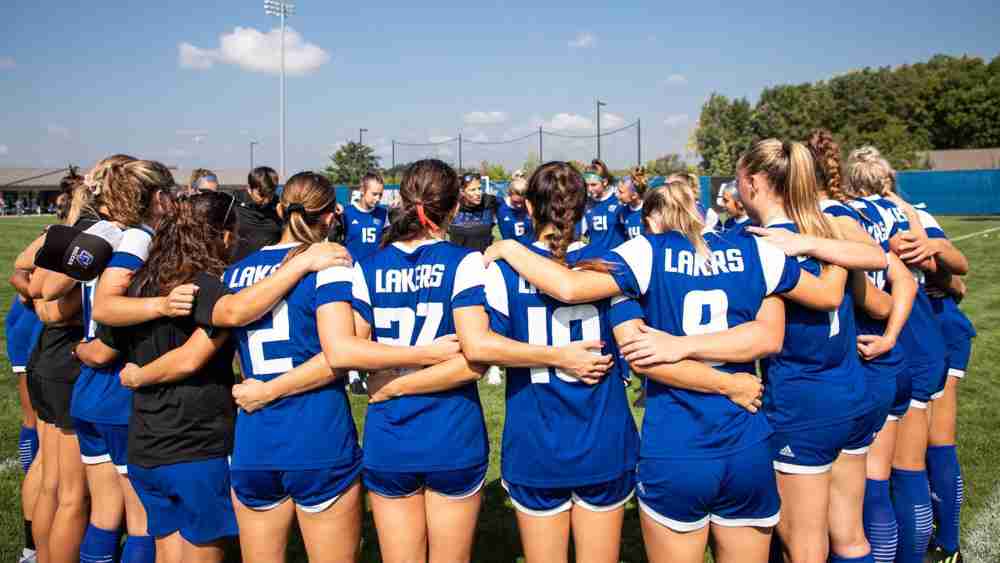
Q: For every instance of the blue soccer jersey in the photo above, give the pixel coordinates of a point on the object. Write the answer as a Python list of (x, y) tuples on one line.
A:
[(133, 249), (632, 219), (311, 430), (514, 223), (408, 296), (921, 338), (559, 432), (683, 294), (98, 395), (735, 224), (955, 326), (363, 230), (816, 379), (22, 331), (603, 222)]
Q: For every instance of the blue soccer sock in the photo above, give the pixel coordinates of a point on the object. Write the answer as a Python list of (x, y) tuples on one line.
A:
[(27, 447), (947, 492), (139, 549), (911, 499), (880, 521), (834, 558), (99, 546)]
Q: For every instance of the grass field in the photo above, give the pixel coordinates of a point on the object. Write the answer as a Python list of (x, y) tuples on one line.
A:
[(498, 541)]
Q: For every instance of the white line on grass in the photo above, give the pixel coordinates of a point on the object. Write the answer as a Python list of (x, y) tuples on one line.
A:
[(982, 540), (971, 235)]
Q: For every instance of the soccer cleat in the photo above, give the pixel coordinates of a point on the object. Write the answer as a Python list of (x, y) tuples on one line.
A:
[(938, 555)]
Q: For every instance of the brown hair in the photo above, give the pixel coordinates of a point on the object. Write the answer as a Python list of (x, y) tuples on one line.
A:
[(678, 212), (598, 167), (68, 184), (263, 181), (640, 181), (306, 198), (372, 176), (189, 242), (128, 190), (558, 197), (428, 196), (826, 153), (789, 168)]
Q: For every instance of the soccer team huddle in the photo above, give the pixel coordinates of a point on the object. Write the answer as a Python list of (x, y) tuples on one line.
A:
[(799, 365)]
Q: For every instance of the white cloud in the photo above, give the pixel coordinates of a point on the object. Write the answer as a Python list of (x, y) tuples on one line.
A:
[(478, 138), (583, 40), (612, 120), (438, 138), (4, 149), (57, 130), (677, 79), (256, 51), (568, 122), (484, 117), (7, 63), (676, 120)]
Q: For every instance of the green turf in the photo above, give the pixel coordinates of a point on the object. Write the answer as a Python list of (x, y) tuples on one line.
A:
[(497, 539)]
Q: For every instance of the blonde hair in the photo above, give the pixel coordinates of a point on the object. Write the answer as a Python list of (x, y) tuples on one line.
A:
[(518, 186), (128, 189), (198, 174), (870, 155), (790, 170), (676, 206), (688, 180), (305, 198)]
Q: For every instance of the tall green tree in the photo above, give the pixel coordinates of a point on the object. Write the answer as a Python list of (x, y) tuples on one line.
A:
[(494, 171), (666, 165), (350, 163)]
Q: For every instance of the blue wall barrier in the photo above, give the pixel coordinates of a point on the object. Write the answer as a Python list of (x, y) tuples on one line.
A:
[(959, 192)]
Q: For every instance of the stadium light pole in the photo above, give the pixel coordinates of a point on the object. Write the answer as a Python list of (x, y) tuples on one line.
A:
[(599, 104), (361, 136), (281, 9), (252, 144)]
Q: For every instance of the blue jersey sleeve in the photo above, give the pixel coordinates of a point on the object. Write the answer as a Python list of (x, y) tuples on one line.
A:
[(132, 250), (837, 209), (468, 288), (624, 309), (931, 226), (781, 272), (632, 266), (333, 285), (497, 304), (361, 299)]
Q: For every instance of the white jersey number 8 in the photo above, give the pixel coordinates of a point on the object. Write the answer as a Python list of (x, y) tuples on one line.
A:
[(538, 333), (695, 303)]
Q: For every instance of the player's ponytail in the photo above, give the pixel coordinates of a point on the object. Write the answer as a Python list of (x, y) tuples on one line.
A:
[(870, 154), (127, 189), (558, 197), (640, 181), (791, 173), (826, 154), (428, 198), (672, 208), (307, 197)]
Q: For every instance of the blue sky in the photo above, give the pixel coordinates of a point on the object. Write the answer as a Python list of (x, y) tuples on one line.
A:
[(177, 81)]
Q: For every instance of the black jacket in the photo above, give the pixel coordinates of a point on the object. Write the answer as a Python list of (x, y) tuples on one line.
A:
[(258, 225)]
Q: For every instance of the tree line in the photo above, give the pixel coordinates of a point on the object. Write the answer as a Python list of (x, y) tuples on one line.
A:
[(944, 103)]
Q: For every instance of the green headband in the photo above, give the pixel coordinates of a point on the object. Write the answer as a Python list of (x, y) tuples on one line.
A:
[(592, 177)]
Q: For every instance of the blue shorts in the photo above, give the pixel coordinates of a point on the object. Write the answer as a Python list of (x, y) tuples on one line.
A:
[(958, 355), (190, 497), (904, 394), (686, 494), (103, 443), (546, 501), (312, 490), (457, 484), (813, 450), (928, 379)]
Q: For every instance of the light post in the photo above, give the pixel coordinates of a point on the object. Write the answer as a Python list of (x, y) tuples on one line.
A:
[(252, 144), (599, 104), (281, 9), (361, 136)]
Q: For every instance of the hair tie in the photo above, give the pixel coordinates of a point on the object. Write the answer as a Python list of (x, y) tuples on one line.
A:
[(295, 208), (422, 217)]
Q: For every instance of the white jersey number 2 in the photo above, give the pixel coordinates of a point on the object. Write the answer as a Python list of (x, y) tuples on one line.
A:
[(277, 333)]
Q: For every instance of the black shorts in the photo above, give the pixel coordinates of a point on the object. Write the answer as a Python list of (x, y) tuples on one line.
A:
[(51, 400)]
